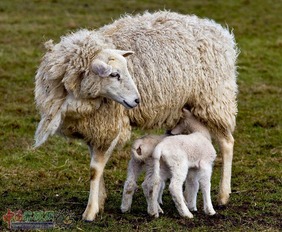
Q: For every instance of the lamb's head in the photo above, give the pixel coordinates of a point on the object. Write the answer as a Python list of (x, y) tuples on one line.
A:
[(109, 77), (184, 124), (190, 124)]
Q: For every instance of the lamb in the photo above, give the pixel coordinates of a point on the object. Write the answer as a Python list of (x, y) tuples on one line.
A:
[(141, 160), (182, 157), (86, 83), (199, 163)]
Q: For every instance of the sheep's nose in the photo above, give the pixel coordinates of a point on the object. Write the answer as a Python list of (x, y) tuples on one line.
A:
[(137, 100)]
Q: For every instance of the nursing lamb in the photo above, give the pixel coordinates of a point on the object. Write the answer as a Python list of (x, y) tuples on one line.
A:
[(86, 81), (182, 157), (141, 161)]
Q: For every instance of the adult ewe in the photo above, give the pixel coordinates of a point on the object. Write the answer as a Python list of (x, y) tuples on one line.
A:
[(179, 60)]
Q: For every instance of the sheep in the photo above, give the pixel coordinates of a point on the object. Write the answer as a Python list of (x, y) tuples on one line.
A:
[(182, 157), (88, 81), (141, 160)]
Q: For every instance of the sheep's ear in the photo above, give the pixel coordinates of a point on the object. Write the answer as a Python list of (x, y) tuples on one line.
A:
[(100, 68), (125, 53)]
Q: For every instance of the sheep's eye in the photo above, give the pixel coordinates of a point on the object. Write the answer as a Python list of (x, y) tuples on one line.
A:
[(115, 74)]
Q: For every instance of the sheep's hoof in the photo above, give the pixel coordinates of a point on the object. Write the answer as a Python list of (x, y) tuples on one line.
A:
[(88, 216), (223, 199)]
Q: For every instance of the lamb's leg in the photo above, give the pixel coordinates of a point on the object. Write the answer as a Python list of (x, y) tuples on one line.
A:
[(205, 185), (161, 190), (226, 147), (133, 171), (151, 187), (176, 192), (191, 189)]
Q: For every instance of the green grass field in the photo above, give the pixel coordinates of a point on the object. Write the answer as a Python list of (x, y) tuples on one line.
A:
[(55, 177)]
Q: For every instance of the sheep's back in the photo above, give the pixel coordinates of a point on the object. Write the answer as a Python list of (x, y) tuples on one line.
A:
[(179, 60)]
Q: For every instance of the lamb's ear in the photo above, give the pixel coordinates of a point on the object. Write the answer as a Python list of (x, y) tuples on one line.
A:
[(100, 68), (125, 53), (186, 112), (176, 130)]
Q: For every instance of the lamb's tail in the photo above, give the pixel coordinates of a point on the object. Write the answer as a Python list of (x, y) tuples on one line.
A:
[(138, 154), (157, 152), (156, 162)]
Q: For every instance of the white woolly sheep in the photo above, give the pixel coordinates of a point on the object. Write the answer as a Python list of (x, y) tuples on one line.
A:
[(179, 60), (182, 157)]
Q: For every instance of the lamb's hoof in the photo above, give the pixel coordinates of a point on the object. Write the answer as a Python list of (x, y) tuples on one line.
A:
[(156, 215), (124, 209), (188, 215), (153, 213), (210, 212), (193, 209)]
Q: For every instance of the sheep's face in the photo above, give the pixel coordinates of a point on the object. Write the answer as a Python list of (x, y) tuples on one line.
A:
[(109, 77)]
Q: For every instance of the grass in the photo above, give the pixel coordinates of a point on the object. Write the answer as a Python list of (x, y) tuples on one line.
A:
[(55, 177)]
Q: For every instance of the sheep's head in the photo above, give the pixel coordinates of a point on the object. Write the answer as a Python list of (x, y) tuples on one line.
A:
[(109, 77)]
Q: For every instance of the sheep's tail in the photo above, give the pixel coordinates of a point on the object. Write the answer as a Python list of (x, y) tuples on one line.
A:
[(45, 129), (114, 142), (49, 45), (48, 126)]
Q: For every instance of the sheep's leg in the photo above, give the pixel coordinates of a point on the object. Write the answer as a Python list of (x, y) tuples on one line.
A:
[(191, 189), (133, 171), (226, 147), (205, 185), (176, 192), (97, 193), (102, 194)]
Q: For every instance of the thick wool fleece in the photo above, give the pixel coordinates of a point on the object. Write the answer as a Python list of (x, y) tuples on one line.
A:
[(178, 60)]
